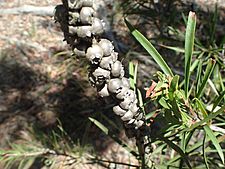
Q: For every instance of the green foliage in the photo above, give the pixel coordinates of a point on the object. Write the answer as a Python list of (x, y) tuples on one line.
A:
[(150, 49), (183, 110), (189, 47)]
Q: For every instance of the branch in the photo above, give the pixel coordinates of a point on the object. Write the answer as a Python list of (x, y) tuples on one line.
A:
[(29, 9)]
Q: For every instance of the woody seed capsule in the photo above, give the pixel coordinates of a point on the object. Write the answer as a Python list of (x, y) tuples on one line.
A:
[(119, 111), (94, 54), (107, 46), (115, 85), (97, 26), (86, 14), (117, 69)]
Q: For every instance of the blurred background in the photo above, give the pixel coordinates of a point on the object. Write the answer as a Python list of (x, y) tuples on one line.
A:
[(42, 85)]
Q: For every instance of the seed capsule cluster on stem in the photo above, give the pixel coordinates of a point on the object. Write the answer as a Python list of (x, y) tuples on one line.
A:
[(82, 30)]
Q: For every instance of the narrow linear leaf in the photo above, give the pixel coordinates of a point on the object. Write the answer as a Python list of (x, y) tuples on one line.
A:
[(189, 46), (199, 75), (204, 153), (218, 100), (135, 72), (215, 142), (131, 75), (177, 49), (208, 72), (211, 116), (150, 115), (174, 84), (194, 65), (163, 103), (183, 143), (110, 121), (190, 150), (213, 87), (188, 138), (115, 138), (221, 83), (201, 107), (150, 49), (178, 150)]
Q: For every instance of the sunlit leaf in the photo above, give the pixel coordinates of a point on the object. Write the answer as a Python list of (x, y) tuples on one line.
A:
[(150, 49), (215, 142), (201, 107), (218, 100), (189, 47), (205, 120), (209, 69)]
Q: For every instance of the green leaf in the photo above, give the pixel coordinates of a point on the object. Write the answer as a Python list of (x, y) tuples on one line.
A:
[(150, 49), (199, 75), (150, 115), (221, 83), (218, 100), (204, 153), (213, 87), (194, 65), (174, 84), (215, 142), (177, 149), (177, 49), (163, 103), (208, 72), (113, 136), (201, 107), (211, 116), (189, 45), (131, 76)]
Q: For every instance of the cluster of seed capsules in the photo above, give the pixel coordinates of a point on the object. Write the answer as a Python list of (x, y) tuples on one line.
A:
[(83, 30)]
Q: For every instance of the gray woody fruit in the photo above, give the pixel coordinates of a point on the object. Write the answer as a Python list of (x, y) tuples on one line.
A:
[(126, 82), (107, 46), (122, 93), (78, 52), (106, 71), (97, 26), (106, 62), (115, 85), (94, 54), (101, 75), (86, 15), (119, 111), (104, 91), (81, 31), (114, 56), (134, 108), (138, 123), (117, 69), (127, 102), (128, 116)]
